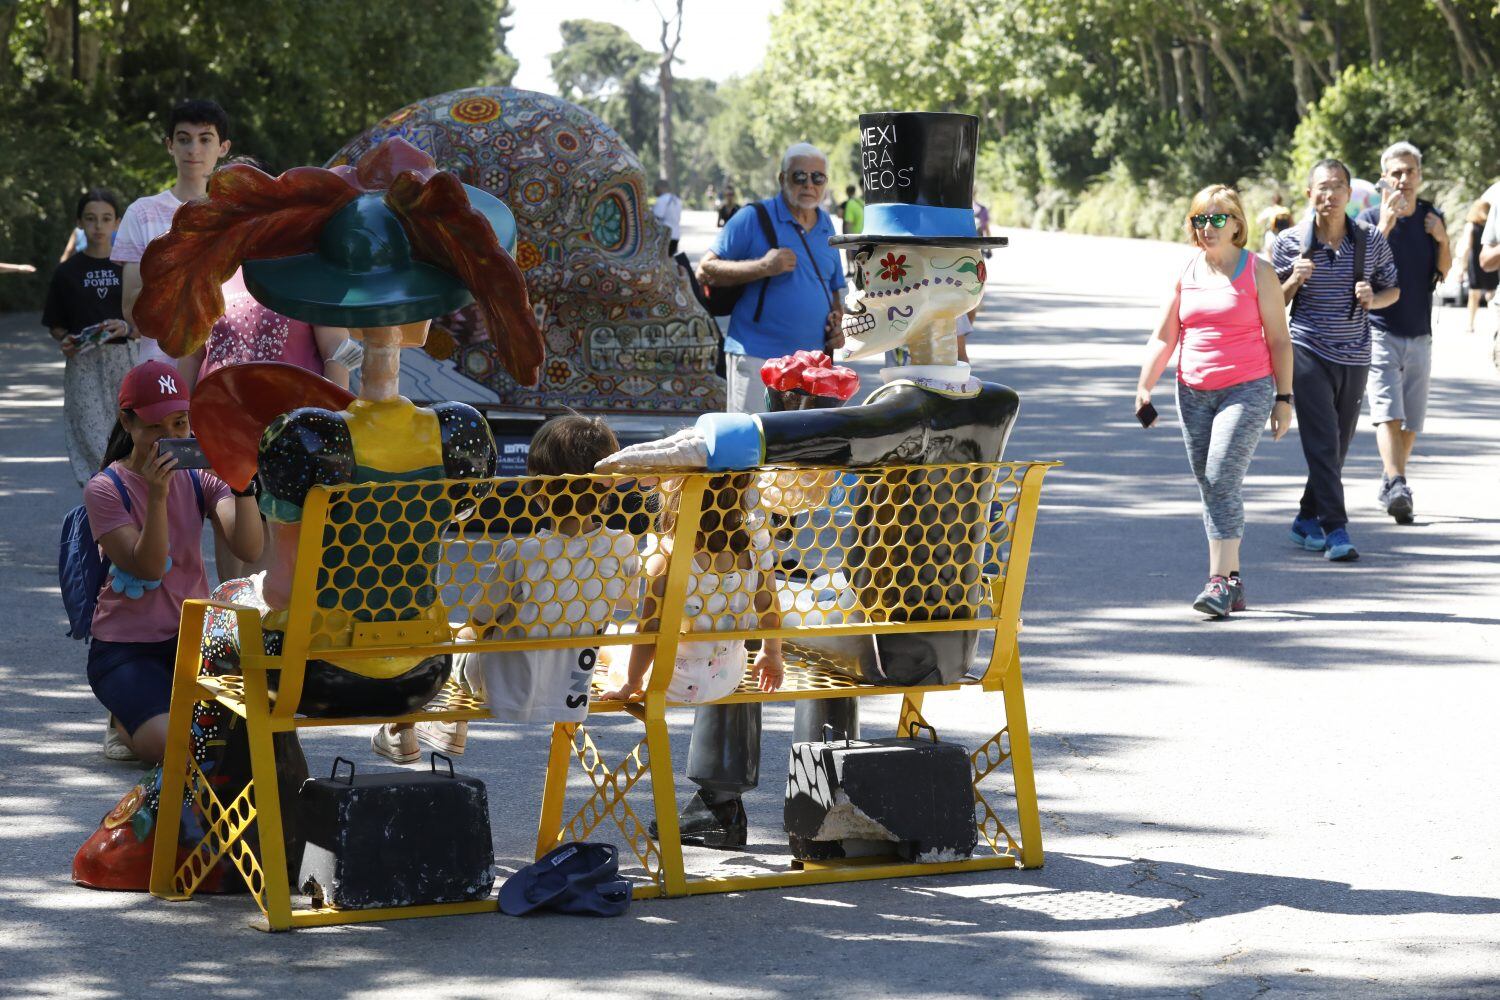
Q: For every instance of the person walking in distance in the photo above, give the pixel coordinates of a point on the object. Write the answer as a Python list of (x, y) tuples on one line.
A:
[(1333, 271), (1234, 370), (1482, 283), (1401, 333), (668, 211)]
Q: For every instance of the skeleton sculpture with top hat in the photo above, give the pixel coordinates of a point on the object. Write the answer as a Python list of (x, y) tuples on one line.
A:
[(922, 266), (381, 248)]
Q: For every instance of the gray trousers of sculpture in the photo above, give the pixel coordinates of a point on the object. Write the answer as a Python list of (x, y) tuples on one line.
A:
[(724, 753)]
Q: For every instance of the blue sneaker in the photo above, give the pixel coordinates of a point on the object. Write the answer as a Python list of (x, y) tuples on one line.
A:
[(1340, 549), (1308, 534)]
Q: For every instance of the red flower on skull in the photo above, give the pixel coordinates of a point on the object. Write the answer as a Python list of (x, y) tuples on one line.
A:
[(892, 267)]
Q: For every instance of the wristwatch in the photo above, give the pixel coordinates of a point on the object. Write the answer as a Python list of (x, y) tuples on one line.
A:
[(1283, 397)]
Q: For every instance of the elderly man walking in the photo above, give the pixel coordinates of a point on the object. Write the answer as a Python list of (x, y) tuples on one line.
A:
[(779, 249), (1333, 271), (1401, 334)]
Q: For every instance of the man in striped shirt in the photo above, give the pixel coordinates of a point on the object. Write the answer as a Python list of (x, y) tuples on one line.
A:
[(1330, 326)]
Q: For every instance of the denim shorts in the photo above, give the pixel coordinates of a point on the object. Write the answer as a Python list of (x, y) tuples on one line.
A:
[(133, 679)]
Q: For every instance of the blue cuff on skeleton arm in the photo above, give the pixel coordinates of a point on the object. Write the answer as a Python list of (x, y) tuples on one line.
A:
[(734, 441)]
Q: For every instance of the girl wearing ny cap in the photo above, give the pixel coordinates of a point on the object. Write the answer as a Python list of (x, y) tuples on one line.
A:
[(147, 516)]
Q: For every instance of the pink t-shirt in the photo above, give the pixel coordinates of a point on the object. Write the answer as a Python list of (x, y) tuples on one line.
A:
[(154, 615), (1222, 342), (248, 331)]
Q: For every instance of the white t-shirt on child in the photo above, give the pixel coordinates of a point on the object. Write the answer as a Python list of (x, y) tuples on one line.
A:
[(710, 669), (547, 586)]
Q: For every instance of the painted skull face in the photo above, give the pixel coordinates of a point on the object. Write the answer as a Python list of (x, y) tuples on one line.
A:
[(623, 330), (910, 293)]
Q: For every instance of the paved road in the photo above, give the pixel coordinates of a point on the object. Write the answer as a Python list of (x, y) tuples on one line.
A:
[(1296, 802)]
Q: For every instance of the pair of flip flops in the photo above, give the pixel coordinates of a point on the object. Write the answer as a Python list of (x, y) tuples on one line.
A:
[(577, 878)]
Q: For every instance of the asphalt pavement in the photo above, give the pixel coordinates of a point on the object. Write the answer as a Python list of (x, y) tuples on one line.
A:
[(1299, 801)]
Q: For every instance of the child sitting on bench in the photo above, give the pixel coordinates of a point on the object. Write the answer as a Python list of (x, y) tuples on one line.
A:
[(566, 577), (733, 586)]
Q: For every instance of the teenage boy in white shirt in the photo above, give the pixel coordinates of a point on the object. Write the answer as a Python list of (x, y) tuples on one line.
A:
[(197, 138)]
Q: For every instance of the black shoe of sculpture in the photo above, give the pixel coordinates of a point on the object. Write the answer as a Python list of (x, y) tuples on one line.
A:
[(711, 824)]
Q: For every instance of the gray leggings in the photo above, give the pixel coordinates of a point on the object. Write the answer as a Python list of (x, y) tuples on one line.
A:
[(1221, 428)]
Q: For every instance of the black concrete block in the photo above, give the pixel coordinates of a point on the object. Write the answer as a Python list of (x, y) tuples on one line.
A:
[(396, 838), (910, 797)]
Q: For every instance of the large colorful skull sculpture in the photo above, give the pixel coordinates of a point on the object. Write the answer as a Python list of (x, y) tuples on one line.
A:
[(623, 331), (911, 297)]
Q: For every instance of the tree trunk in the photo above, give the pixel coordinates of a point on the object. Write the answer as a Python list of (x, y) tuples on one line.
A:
[(1179, 72), (1472, 58), (1372, 26), (1163, 79), (58, 47), (7, 25), (1148, 80), (666, 149), (1203, 80), (1221, 53)]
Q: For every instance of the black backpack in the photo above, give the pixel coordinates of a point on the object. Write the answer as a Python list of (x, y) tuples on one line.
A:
[(721, 301)]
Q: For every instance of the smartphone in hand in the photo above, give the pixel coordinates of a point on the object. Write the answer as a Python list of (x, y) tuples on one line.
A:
[(1146, 414), (187, 451)]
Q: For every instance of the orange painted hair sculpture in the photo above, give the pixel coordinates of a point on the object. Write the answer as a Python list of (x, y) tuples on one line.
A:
[(249, 215)]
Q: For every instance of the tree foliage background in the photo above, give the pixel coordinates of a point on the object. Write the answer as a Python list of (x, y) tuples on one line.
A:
[(298, 79), (1095, 115)]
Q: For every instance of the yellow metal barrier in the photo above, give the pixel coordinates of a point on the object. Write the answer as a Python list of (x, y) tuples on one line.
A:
[(388, 573)]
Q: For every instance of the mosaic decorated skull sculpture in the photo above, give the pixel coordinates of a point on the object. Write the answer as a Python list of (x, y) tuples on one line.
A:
[(623, 330)]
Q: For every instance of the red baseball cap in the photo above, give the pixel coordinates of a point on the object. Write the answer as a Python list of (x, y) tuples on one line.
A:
[(153, 390)]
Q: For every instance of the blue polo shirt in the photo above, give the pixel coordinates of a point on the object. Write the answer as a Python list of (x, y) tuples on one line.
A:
[(1416, 263), (797, 302)]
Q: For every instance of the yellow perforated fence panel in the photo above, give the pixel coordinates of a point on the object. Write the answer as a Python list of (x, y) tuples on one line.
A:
[(522, 562)]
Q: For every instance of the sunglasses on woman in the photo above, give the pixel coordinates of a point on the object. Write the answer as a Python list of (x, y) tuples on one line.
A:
[(802, 177), (1218, 220)]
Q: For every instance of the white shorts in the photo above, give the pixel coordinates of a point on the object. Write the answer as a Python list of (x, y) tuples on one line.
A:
[(744, 391)]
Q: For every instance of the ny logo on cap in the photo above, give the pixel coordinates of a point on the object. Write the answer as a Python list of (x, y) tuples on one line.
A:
[(166, 384)]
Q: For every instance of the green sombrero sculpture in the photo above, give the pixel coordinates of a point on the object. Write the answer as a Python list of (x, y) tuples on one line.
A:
[(380, 248)]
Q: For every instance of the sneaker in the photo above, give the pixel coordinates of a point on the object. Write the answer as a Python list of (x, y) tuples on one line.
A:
[(1340, 549), (115, 747), (444, 737), (1216, 599), (1308, 533), (399, 746), (1237, 594), (1397, 500)]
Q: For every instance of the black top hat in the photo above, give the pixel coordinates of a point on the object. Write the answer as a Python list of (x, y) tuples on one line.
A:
[(918, 173)]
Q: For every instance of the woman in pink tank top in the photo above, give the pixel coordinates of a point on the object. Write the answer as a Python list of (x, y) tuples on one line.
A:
[(1227, 324)]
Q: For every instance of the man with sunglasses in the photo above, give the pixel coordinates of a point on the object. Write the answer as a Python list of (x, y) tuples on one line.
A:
[(1333, 271), (795, 302)]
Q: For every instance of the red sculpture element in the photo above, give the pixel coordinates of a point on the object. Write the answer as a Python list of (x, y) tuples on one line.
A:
[(447, 233), (181, 272), (810, 372), (249, 215), (234, 405)]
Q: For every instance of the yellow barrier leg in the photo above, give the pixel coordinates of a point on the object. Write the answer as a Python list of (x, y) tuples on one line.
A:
[(174, 765), (664, 795), (555, 790), (277, 894), (1020, 765)]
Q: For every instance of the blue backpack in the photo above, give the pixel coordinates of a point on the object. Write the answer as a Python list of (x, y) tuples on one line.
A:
[(82, 567)]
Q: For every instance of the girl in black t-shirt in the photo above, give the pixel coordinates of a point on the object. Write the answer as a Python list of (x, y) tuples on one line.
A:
[(83, 314)]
